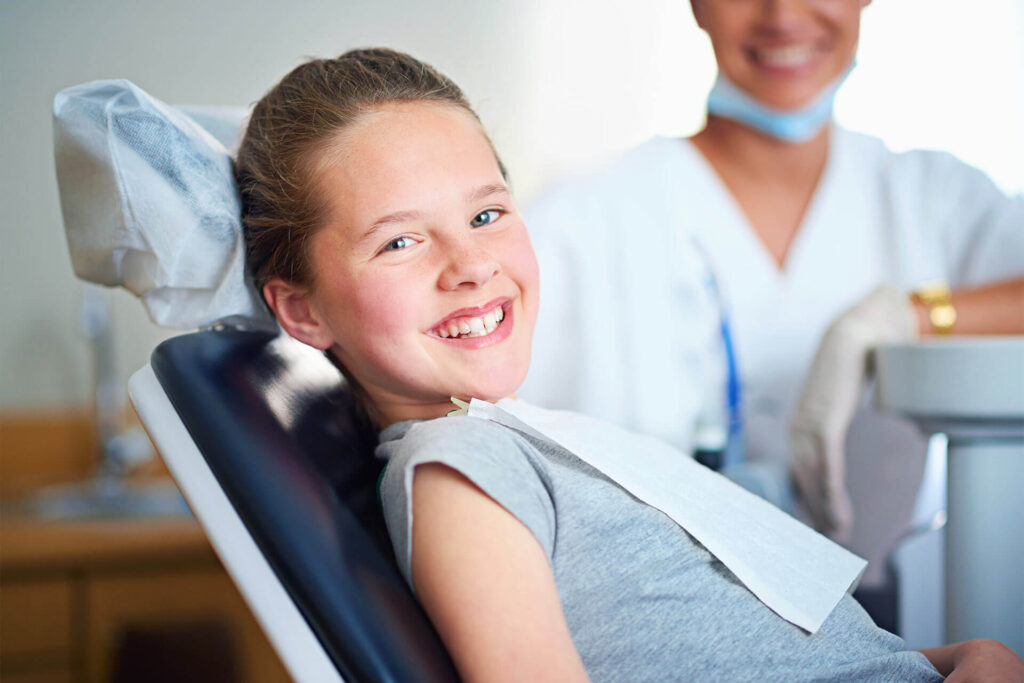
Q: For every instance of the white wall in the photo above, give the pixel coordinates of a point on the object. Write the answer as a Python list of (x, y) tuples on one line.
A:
[(943, 74), (561, 84)]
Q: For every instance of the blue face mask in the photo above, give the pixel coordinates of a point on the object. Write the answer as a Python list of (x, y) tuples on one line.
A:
[(799, 125)]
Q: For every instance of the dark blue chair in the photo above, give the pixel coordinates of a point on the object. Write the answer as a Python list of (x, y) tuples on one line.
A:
[(270, 447)]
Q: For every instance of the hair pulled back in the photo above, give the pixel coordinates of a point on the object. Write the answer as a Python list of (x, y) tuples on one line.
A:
[(311, 105)]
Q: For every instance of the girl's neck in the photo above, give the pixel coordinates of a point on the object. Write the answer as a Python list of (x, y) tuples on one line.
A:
[(387, 414)]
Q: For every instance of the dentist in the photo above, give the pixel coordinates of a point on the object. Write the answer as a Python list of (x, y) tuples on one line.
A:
[(819, 241)]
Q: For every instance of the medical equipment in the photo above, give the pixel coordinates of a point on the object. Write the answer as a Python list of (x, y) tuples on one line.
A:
[(972, 390), (718, 433), (262, 436), (799, 125), (257, 429)]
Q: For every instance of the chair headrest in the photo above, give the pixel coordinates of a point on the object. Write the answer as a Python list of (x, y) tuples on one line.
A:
[(150, 203)]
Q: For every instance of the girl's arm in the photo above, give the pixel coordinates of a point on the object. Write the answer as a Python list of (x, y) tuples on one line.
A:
[(487, 585), (976, 660)]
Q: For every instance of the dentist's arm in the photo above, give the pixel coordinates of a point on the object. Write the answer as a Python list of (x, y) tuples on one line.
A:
[(976, 660), (487, 585), (991, 309), (832, 389)]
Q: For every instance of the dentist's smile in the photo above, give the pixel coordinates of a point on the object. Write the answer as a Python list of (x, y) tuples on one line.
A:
[(786, 59)]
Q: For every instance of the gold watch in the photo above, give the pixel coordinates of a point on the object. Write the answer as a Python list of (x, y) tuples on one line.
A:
[(939, 301)]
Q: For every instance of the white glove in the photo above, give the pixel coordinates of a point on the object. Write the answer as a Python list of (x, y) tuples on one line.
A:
[(829, 399)]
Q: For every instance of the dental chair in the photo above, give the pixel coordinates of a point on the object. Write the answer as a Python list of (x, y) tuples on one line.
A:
[(263, 437), (261, 432)]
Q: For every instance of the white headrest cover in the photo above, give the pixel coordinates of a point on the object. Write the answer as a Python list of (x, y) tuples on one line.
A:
[(150, 203)]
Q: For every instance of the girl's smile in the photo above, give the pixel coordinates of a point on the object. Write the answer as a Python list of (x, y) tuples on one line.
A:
[(477, 327)]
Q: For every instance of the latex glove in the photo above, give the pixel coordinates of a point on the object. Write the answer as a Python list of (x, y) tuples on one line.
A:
[(829, 400)]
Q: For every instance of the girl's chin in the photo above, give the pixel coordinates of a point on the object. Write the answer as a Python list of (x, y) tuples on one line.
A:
[(495, 387), (489, 396), (491, 393)]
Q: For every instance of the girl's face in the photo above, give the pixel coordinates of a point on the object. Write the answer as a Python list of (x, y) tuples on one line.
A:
[(425, 283), (781, 52)]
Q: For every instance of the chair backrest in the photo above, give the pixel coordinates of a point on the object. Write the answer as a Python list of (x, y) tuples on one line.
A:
[(280, 431)]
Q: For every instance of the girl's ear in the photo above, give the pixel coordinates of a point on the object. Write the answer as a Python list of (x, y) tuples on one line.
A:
[(291, 304)]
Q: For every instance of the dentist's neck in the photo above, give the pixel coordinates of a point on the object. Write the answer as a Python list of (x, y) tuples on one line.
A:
[(736, 149)]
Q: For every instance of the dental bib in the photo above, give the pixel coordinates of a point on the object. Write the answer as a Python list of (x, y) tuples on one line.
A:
[(792, 569)]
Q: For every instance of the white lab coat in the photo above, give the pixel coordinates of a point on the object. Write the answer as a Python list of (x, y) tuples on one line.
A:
[(627, 328)]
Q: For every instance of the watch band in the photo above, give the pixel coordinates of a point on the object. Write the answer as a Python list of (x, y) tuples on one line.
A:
[(937, 297)]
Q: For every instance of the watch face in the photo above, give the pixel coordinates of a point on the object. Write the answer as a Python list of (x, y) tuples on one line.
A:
[(943, 317)]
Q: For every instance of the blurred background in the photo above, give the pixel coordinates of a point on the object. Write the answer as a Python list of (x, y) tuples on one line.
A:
[(561, 86)]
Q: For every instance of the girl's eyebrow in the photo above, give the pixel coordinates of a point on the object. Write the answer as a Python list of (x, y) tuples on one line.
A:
[(485, 191), (475, 195)]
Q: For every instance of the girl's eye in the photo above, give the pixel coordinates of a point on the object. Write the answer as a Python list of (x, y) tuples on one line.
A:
[(485, 217), (398, 243)]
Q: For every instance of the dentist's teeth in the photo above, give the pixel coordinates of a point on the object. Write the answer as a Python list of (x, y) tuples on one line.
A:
[(786, 57), (499, 314), (464, 327), (489, 322), (476, 327), (443, 332), (453, 329)]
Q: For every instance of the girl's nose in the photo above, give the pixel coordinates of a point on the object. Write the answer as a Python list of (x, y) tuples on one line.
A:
[(468, 266)]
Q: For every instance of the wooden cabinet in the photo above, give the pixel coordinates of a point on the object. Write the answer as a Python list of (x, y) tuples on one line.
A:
[(35, 619), (92, 602)]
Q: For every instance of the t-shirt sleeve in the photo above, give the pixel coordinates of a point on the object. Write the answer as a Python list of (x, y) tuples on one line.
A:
[(491, 456)]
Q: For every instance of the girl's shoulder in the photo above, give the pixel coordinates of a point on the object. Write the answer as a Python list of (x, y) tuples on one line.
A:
[(457, 435), (489, 454), (496, 459)]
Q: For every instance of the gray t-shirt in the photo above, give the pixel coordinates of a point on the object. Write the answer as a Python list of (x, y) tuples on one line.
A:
[(644, 601)]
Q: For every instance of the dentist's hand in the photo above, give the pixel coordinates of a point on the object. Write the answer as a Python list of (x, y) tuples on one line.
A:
[(829, 399)]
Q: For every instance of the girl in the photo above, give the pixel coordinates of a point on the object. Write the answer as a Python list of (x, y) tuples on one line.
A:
[(381, 229)]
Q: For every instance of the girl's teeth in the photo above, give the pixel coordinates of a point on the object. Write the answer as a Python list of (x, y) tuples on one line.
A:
[(473, 327)]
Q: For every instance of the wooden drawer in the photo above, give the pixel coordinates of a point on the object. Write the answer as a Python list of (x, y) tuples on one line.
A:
[(35, 619), (163, 598), (55, 676)]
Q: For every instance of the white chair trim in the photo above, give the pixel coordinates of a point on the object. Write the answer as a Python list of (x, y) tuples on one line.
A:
[(296, 644)]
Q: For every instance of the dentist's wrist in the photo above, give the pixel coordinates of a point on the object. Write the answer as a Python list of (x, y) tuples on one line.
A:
[(933, 306)]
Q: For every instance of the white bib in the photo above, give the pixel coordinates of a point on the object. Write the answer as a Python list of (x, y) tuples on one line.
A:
[(795, 571)]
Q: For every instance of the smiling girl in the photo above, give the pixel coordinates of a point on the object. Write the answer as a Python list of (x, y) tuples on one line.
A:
[(381, 230)]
